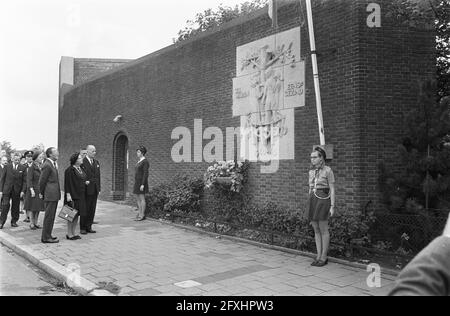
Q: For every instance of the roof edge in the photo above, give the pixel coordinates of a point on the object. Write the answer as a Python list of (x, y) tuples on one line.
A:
[(240, 20)]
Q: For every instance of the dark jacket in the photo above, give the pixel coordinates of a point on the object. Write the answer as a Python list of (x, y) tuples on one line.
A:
[(2, 170), (25, 185), (141, 176), (428, 274), (13, 179), (49, 182), (74, 183), (93, 176), (33, 175)]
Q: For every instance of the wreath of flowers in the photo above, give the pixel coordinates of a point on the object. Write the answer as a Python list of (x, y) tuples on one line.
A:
[(233, 170)]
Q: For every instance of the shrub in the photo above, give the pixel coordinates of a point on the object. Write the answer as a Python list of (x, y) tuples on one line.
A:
[(182, 194), (157, 198), (351, 225)]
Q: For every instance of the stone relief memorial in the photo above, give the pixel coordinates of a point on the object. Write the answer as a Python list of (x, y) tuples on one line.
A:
[(269, 85)]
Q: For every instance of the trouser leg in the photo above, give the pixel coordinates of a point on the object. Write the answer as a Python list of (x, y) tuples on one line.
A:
[(5, 209), (91, 205), (15, 207), (49, 220)]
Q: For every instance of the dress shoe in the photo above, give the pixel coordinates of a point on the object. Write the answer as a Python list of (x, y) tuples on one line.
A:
[(50, 241), (54, 238), (83, 232), (14, 225), (95, 223), (71, 238), (321, 263), (77, 237), (27, 220), (90, 231)]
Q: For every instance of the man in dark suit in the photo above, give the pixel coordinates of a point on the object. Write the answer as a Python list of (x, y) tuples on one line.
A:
[(429, 273), (3, 163), (92, 168), (12, 185), (50, 193)]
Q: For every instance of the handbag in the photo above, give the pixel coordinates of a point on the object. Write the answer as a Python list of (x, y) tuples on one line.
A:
[(68, 213)]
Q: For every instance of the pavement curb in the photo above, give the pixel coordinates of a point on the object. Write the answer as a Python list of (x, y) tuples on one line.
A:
[(77, 283), (385, 271)]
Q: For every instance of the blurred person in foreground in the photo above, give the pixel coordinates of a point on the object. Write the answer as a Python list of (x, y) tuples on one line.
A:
[(429, 273)]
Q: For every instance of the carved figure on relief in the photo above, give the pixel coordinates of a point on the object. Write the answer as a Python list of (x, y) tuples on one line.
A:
[(268, 124)]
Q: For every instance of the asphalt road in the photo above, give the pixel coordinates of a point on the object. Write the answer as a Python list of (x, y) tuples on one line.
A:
[(20, 278)]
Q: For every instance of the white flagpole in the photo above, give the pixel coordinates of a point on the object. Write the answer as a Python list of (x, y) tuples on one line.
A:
[(315, 72), (273, 12)]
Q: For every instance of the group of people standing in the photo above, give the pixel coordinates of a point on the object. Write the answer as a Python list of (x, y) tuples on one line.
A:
[(37, 183)]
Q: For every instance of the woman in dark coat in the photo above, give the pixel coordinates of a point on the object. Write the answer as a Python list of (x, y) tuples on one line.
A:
[(26, 203), (33, 202), (74, 193), (141, 182)]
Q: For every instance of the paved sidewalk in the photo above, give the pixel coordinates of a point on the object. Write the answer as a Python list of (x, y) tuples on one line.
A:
[(151, 258)]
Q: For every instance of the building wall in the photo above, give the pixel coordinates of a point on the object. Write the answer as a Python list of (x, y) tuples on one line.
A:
[(366, 77), (88, 68), (393, 61)]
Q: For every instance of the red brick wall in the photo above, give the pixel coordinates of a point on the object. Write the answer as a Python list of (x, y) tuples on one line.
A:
[(367, 83)]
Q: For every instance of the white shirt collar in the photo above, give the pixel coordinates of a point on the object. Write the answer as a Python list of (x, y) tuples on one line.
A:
[(53, 162), (141, 160)]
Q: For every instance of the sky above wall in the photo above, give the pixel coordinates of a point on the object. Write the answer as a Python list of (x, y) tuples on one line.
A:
[(35, 34)]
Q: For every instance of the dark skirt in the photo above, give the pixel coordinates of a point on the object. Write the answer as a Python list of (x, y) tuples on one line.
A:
[(80, 206), (33, 204), (319, 209), (137, 189)]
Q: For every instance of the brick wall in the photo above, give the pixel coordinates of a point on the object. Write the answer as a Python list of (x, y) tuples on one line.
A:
[(88, 68), (367, 83)]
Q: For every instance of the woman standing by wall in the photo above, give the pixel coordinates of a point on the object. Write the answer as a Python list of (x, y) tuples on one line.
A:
[(321, 203), (141, 181)]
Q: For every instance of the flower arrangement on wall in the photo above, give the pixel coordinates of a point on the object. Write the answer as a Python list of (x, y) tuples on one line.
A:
[(230, 175)]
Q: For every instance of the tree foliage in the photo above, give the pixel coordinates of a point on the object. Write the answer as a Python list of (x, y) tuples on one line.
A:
[(431, 15), (210, 18), (39, 148), (424, 180), (7, 147)]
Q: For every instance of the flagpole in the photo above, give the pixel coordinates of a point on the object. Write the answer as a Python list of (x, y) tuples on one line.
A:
[(315, 72), (273, 13)]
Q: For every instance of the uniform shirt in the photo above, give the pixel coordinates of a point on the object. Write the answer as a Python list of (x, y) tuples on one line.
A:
[(324, 176)]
